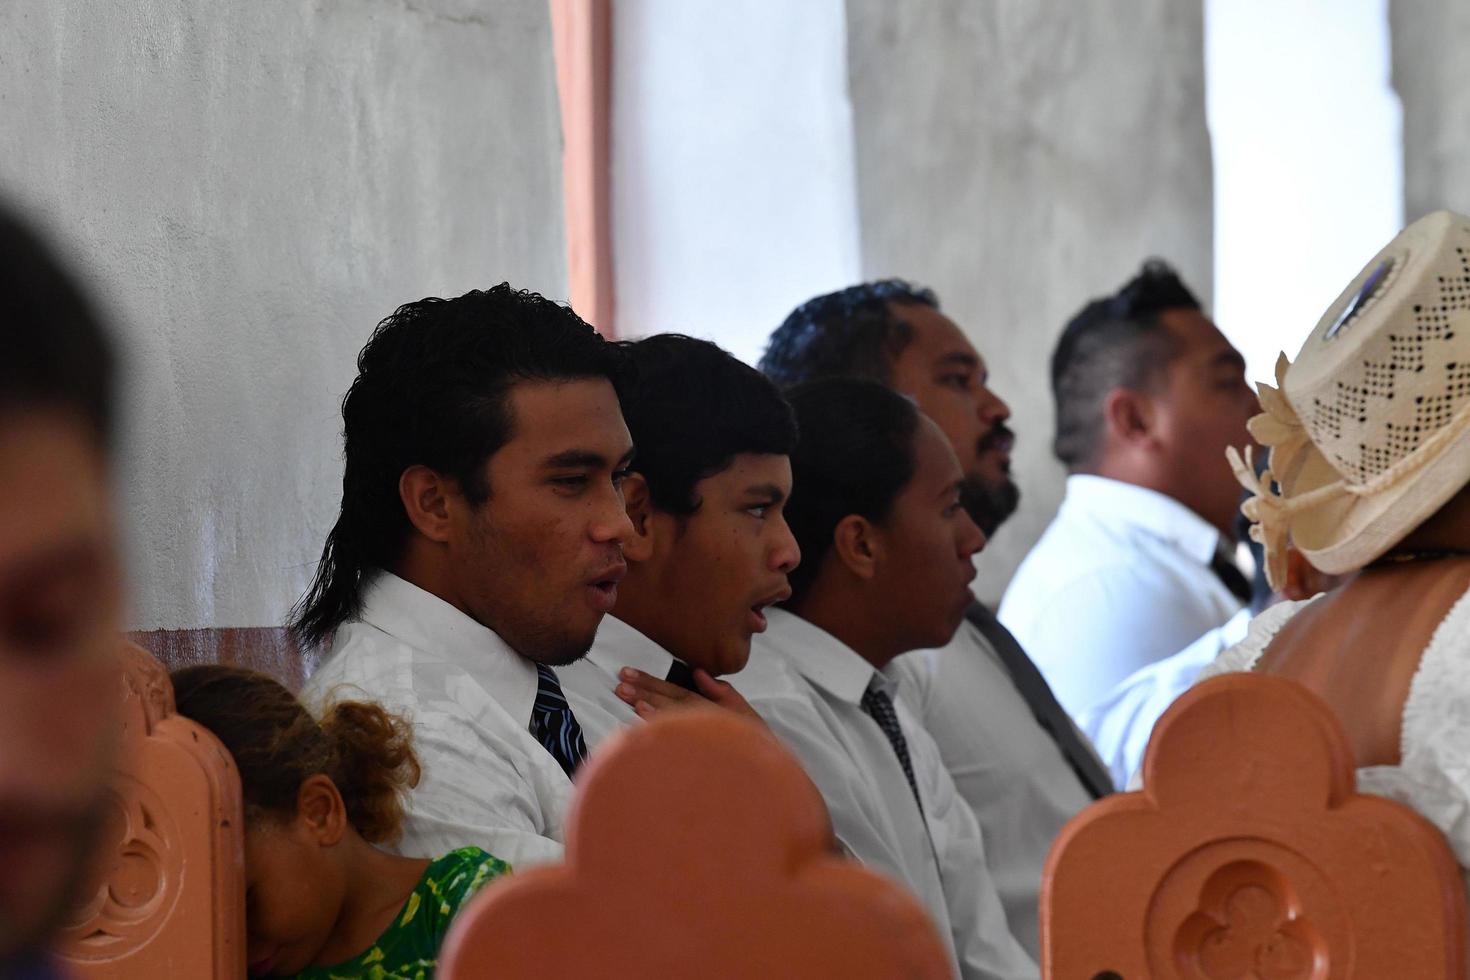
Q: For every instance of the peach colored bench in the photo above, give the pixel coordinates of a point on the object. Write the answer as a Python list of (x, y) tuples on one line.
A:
[(1250, 854), (167, 894), (696, 847)]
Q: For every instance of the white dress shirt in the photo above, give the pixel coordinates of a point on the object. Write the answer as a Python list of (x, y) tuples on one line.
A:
[(486, 781), (594, 677), (1007, 768), (809, 686), (1120, 724), (1120, 579)]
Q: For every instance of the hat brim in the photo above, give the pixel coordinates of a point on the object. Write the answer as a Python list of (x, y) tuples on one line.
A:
[(1346, 533)]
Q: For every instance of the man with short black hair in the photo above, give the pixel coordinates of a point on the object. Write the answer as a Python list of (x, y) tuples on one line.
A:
[(1137, 564), (60, 594), (478, 547), (1013, 753), (888, 548), (710, 549)]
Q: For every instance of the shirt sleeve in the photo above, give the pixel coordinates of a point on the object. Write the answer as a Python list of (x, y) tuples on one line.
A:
[(1100, 628), (983, 941)]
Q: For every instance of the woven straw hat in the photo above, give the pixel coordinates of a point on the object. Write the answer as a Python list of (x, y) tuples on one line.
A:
[(1368, 429)]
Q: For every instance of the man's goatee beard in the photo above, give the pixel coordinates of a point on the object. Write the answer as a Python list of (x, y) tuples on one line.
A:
[(987, 503)]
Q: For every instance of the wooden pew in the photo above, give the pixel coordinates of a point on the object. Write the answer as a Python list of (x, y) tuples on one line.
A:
[(167, 898), (1250, 854), (269, 649), (696, 847)]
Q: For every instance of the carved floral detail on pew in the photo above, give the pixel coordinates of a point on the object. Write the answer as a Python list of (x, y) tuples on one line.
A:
[(1250, 925), (1249, 854), (128, 897)]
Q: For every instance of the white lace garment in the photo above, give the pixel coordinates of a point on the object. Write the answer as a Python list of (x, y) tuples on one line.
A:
[(1433, 775)]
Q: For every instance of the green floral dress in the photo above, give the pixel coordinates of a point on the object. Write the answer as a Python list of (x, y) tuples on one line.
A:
[(409, 948)]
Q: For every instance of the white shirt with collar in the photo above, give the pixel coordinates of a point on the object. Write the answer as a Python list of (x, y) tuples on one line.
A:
[(486, 781), (594, 677), (1007, 768), (808, 686), (1121, 722), (1120, 579)]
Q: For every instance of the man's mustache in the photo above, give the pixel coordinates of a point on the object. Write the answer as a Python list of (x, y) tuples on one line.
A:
[(1000, 436)]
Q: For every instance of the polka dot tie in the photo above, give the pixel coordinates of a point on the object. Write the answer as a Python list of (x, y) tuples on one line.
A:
[(554, 725), (880, 707)]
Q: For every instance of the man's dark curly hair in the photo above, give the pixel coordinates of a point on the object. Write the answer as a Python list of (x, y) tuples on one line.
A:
[(853, 332), (433, 389), (695, 408)]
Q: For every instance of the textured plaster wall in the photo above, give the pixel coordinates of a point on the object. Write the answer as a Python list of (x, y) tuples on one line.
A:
[(1020, 157), (733, 190), (1432, 77), (256, 184)]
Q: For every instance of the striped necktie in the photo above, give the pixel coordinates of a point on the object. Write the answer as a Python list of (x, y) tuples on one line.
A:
[(554, 725), (879, 707)]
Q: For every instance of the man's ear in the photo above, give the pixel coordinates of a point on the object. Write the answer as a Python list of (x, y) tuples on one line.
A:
[(1128, 417), (639, 505), (425, 495), (320, 812), (856, 543)]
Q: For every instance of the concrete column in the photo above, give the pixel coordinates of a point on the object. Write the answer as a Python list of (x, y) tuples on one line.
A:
[(1432, 77), (1020, 157)]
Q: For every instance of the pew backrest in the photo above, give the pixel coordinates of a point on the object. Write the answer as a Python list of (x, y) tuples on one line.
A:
[(166, 898), (1250, 853), (696, 846)]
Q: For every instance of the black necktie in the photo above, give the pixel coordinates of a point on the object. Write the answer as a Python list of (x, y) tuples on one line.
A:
[(1232, 576), (682, 674), (554, 725), (1043, 704), (879, 706)]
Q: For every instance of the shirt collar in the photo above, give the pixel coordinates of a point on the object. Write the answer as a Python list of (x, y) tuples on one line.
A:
[(619, 645), (820, 657), (1158, 515), (428, 623)]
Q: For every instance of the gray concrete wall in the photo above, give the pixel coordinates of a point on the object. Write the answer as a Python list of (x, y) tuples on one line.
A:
[(255, 185), (1020, 157), (1432, 77)]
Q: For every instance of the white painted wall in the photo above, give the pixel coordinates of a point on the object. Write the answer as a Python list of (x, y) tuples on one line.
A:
[(255, 185), (733, 190), (1308, 163)]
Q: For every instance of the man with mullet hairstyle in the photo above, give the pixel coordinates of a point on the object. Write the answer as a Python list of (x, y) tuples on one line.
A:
[(710, 549), (478, 548)]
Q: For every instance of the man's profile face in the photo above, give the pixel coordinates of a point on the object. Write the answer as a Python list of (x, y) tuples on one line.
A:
[(929, 542), (539, 562), (719, 568), (941, 370), (60, 602), (1205, 403)]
